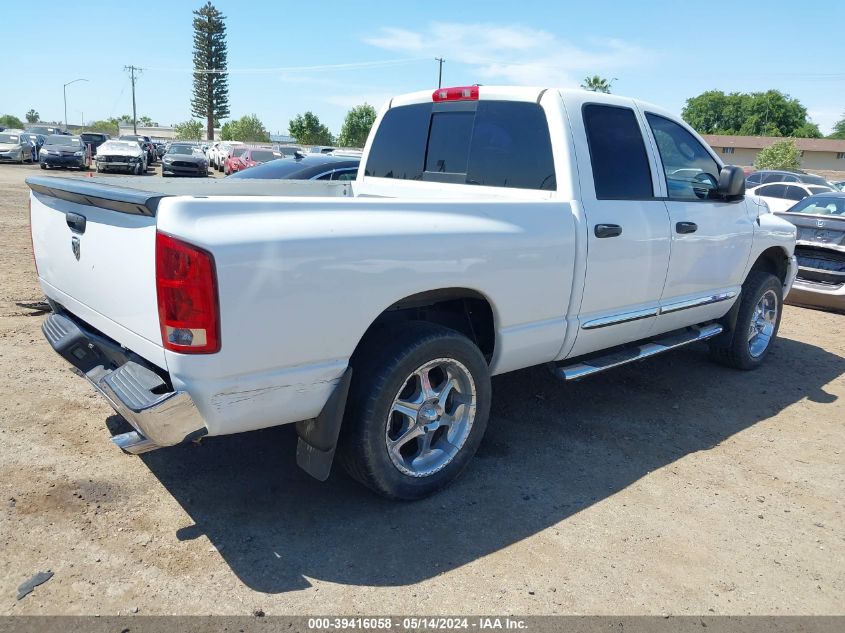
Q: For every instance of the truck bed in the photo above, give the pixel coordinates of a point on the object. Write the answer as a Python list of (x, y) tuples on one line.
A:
[(141, 194)]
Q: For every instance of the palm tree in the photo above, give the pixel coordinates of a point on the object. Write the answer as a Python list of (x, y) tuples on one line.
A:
[(32, 116), (597, 84)]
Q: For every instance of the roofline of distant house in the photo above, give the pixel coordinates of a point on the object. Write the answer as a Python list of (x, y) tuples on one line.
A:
[(759, 142)]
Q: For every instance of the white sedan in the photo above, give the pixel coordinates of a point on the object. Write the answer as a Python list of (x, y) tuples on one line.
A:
[(780, 196)]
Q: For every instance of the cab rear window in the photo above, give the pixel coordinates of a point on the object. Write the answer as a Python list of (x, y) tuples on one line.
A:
[(490, 143)]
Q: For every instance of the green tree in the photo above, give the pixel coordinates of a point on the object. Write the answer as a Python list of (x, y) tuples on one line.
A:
[(211, 81), (190, 130), (597, 84), (109, 126), (307, 129), (839, 128), (356, 126), (807, 130), (145, 121), (248, 129), (779, 155), (32, 116), (10, 120), (770, 113)]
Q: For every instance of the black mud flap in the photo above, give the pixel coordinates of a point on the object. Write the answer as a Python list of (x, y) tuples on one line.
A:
[(725, 339), (318, 436)]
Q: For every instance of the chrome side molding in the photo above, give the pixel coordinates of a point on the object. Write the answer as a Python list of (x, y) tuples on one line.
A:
[(694, 303), (619, 318)]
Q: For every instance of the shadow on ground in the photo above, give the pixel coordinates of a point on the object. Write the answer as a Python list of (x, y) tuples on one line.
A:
[(550, 451)]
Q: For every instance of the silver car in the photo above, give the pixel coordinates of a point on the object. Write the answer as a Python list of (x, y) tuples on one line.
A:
[(15, 148)]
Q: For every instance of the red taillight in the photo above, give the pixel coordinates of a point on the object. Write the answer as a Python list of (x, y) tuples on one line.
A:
[(186, 283), (463, 93)]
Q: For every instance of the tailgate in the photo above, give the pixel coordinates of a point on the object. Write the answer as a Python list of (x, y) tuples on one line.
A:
[(95, 253)]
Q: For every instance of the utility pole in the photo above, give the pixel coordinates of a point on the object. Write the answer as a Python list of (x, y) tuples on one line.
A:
[(132, 70), (440, 72)]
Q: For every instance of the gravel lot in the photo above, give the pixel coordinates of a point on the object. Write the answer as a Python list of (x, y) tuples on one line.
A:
[(673, 486)]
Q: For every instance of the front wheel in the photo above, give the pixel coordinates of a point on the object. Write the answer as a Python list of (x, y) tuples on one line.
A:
[(757, 323), (417, 411)]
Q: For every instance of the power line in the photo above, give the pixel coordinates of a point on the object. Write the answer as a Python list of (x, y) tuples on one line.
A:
[(295, 69)]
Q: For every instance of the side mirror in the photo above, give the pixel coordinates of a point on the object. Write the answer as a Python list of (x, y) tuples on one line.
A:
[(731, 182)]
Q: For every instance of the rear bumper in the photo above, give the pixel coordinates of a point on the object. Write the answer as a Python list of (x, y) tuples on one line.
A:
[(135, 389)]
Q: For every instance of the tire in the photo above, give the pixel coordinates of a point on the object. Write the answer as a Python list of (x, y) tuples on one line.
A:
[(389, 369), (762, 294), (43, 166), (137, 169), (97, 167)]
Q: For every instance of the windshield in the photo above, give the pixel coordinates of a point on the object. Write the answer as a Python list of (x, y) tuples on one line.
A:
[(9, 138), (118, 145), (817, 205), (814, 180), (816, 189), (262, 156), (181, 149), (238, 151), (64, 141), (92, 137)]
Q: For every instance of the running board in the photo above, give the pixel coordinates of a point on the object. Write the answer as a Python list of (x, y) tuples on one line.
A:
[(664, 343)]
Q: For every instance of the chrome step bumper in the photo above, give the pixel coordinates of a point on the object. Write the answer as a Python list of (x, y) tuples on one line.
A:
[(160, 417), (664, 343)]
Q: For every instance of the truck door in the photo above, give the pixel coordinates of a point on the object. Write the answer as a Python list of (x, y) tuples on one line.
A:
[(627, 226), (711, 237)]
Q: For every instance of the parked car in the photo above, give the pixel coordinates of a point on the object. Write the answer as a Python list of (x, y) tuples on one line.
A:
[(144, 142), (820, 251), (94, 140), (37, 140), (16, 148), (224, 150), (305, 167), (232, 163), (251, 157), (840, 184), (766, 176), (183, 159), (44, 130), (60, 150), (373, 313), (160, 148), (288, 150), (116, 155), (321, 149), (782, 195)]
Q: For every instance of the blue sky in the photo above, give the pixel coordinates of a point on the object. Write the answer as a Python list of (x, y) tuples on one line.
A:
[(288, 57)]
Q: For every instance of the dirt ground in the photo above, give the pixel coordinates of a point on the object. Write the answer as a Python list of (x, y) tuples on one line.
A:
[(673, 486)]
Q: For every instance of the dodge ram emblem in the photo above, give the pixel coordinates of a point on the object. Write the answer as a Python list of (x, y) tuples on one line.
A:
[(74, 246), (820, 223)]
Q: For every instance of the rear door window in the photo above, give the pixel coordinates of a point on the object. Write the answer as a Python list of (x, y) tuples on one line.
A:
[(772, 191), (617, 153), (795, 193)]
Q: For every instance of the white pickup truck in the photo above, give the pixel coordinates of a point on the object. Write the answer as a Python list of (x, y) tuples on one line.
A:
[(489, 229)]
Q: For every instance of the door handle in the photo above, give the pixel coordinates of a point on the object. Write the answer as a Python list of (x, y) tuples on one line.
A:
[(686, 227), (607, 230), (76, 222)]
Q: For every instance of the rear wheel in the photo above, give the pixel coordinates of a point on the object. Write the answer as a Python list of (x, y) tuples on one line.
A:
[(757, 324), (418, 408)]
